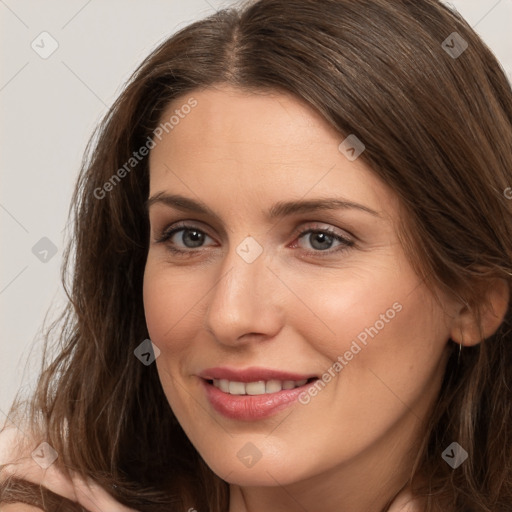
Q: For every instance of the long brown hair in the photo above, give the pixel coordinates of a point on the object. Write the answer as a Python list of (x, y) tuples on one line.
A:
[(437, 128)]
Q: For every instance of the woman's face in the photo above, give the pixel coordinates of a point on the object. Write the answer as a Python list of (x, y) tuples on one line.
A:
[(269, 290)]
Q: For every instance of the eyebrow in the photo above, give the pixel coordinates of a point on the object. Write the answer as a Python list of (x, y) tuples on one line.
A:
[(278, 210)]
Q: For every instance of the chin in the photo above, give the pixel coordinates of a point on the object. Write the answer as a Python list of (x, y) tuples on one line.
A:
[(238, 469), (261, 476)]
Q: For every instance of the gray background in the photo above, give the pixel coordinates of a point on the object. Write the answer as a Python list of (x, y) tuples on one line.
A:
[(48, 109)]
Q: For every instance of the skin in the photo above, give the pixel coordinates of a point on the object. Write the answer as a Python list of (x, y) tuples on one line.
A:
[(20, 507), (350, 448)]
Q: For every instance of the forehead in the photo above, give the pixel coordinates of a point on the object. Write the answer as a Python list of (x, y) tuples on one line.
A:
[(225, 115), (235, 145)]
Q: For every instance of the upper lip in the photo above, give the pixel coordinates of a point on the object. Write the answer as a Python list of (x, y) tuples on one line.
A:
[(251, 374)]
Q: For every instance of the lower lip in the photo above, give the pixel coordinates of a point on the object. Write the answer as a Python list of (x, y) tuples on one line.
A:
[(251, 407)]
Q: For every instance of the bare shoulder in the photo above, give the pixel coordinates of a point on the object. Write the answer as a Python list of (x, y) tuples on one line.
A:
[(406, 502), (16, 455), (35, 461), (19, 507), (24, 457), (11, 445)]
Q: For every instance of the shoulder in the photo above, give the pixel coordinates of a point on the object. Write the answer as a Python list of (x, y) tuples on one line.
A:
[(19, 507), (26, 459), (9, 439), (406, 502)]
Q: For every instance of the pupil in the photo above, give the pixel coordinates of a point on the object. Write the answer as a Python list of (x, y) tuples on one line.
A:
[(194, 236), (322, 237)]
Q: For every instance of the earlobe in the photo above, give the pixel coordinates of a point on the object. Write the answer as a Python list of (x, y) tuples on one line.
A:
[(494, 307)]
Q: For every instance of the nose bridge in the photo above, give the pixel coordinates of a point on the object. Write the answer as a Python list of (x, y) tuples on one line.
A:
[(241, 301)]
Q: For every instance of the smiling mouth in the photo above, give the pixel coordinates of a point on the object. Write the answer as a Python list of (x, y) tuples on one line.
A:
[(253, 400), (260, 387)]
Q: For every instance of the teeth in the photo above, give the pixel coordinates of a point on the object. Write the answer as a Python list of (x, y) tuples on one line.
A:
[(256, 388), (224, 385), (273, 386), (236, 388)]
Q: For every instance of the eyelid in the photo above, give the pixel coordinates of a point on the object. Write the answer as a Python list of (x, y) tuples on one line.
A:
[(168, 231), (317, 226), (345, 242), (300, 230)]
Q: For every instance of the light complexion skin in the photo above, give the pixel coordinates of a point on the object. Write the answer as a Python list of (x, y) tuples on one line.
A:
[(297, 307)]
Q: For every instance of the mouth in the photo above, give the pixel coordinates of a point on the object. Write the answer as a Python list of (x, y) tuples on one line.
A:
[(255, 388), (253, 400)]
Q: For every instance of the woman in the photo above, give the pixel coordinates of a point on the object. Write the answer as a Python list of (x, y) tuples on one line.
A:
[(292, 268)]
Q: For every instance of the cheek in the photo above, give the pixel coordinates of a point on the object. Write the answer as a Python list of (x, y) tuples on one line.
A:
[(170, 304), (383, 323), (170, 299), (340, 305), (391, 358)]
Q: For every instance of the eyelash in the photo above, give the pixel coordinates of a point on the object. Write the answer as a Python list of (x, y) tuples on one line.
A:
[(168, 234)]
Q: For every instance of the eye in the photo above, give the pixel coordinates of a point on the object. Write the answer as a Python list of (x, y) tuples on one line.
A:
[(322, 240), (182, 239), (191, 238)]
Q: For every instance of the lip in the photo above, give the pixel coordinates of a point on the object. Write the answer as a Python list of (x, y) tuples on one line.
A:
[(251, 407), (251, 374)]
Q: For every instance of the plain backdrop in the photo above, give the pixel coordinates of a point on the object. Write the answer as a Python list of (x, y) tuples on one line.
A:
[(49, 107)]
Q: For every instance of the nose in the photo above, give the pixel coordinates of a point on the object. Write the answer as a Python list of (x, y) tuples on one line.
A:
[(245, 303)]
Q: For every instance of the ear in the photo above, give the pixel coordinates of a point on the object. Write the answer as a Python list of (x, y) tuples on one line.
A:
[(494, 303)]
